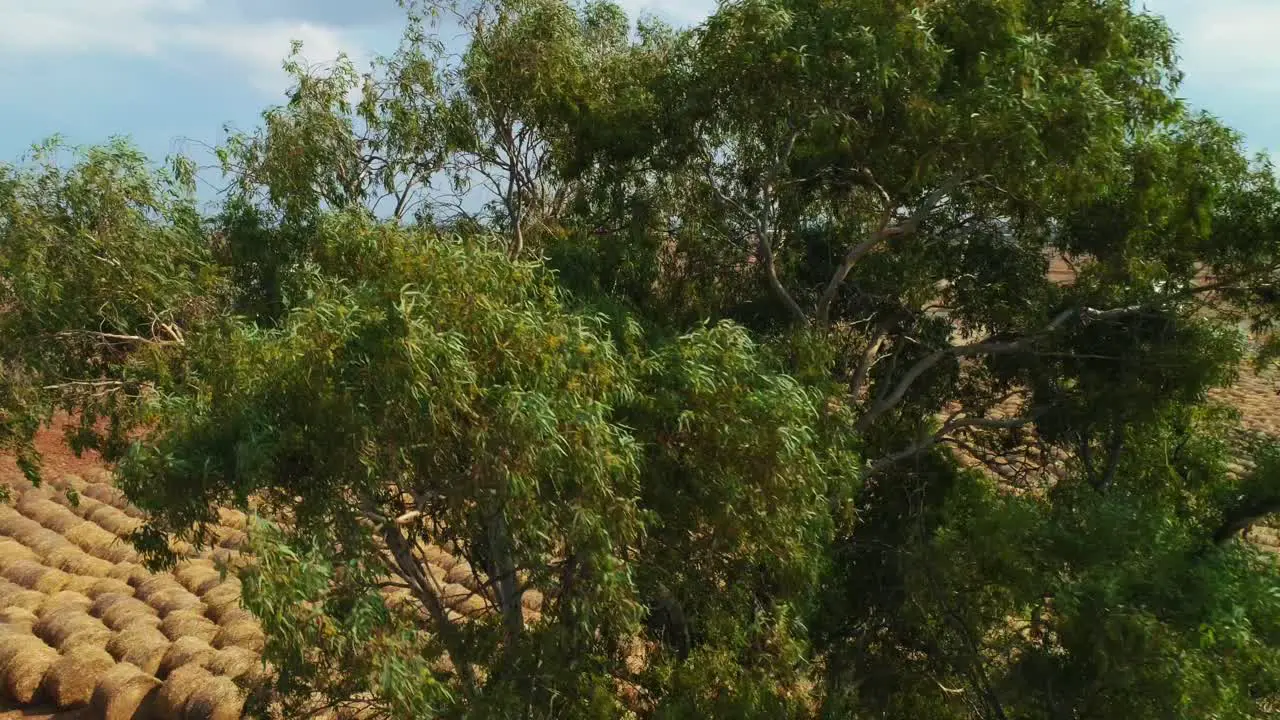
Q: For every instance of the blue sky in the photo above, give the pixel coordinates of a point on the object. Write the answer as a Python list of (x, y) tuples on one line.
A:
[(170, 73)]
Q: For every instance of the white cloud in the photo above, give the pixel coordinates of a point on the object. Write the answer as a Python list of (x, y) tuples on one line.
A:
[(1229, 44), (173, 30)]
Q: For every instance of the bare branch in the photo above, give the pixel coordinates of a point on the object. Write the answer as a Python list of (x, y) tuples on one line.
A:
[(986, 347), (951, 425)]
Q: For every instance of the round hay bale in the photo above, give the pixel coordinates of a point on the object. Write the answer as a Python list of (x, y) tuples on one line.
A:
[(182, 623), (91, 538), (72, 559), (437, 556), (214, 582), (70, 681), (217, 698), (19, 597), (113, 521), (235, 616), (193, 574), (34, 576), (182, 548), (15, 525), (232, 518), (47, 512), (81, 506), (175, 599), (221, 593), (11, 551), (24, 673), (103, 492), (142, 646), (155, 584), (178, 687), (17, 617), (234, 662), (44, 541), (120, 551), (120, 611), (68, 481), (130, 572), (461, 574), (57, 626), (14, 642), (80, 583), (125, 692), (110, 586), (183, 652), (64, 599), (86, 638), (532, 600), (244, 633), (233, 539)]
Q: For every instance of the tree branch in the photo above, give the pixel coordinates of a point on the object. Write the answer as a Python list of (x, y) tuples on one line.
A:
[(984, 347), (882, 233), (951, 425)]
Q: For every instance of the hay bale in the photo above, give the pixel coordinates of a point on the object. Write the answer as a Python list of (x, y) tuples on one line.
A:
[(24, 659), (109, 586), (80, 583), (114, 521), (44, 541), (130, 572), (72, 559), (222, 593), (120, 551), (178, 687), (82, 505), (235, 662), (439, 557), (142, 646), (16, 617), (48, 513), (125, 692), (96, 638), (532, 600), (232, 518), (175, 599), (20, 597), (15, 525), (70, 681), (11, 551), (183, 652), (34, 576), (194, 574), (64, 599), (242, 633), (91, 538), (182, 623), (104, 492), (59, 625), (462, 574), (233, 539), (121, 611), (236, 615), (155, 584), (217, 698), (67, 481)]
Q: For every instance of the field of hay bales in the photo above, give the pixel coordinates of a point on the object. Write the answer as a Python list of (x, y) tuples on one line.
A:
[(87, 632)]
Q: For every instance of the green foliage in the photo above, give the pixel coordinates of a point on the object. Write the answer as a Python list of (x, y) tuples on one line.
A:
[(672, 334)]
